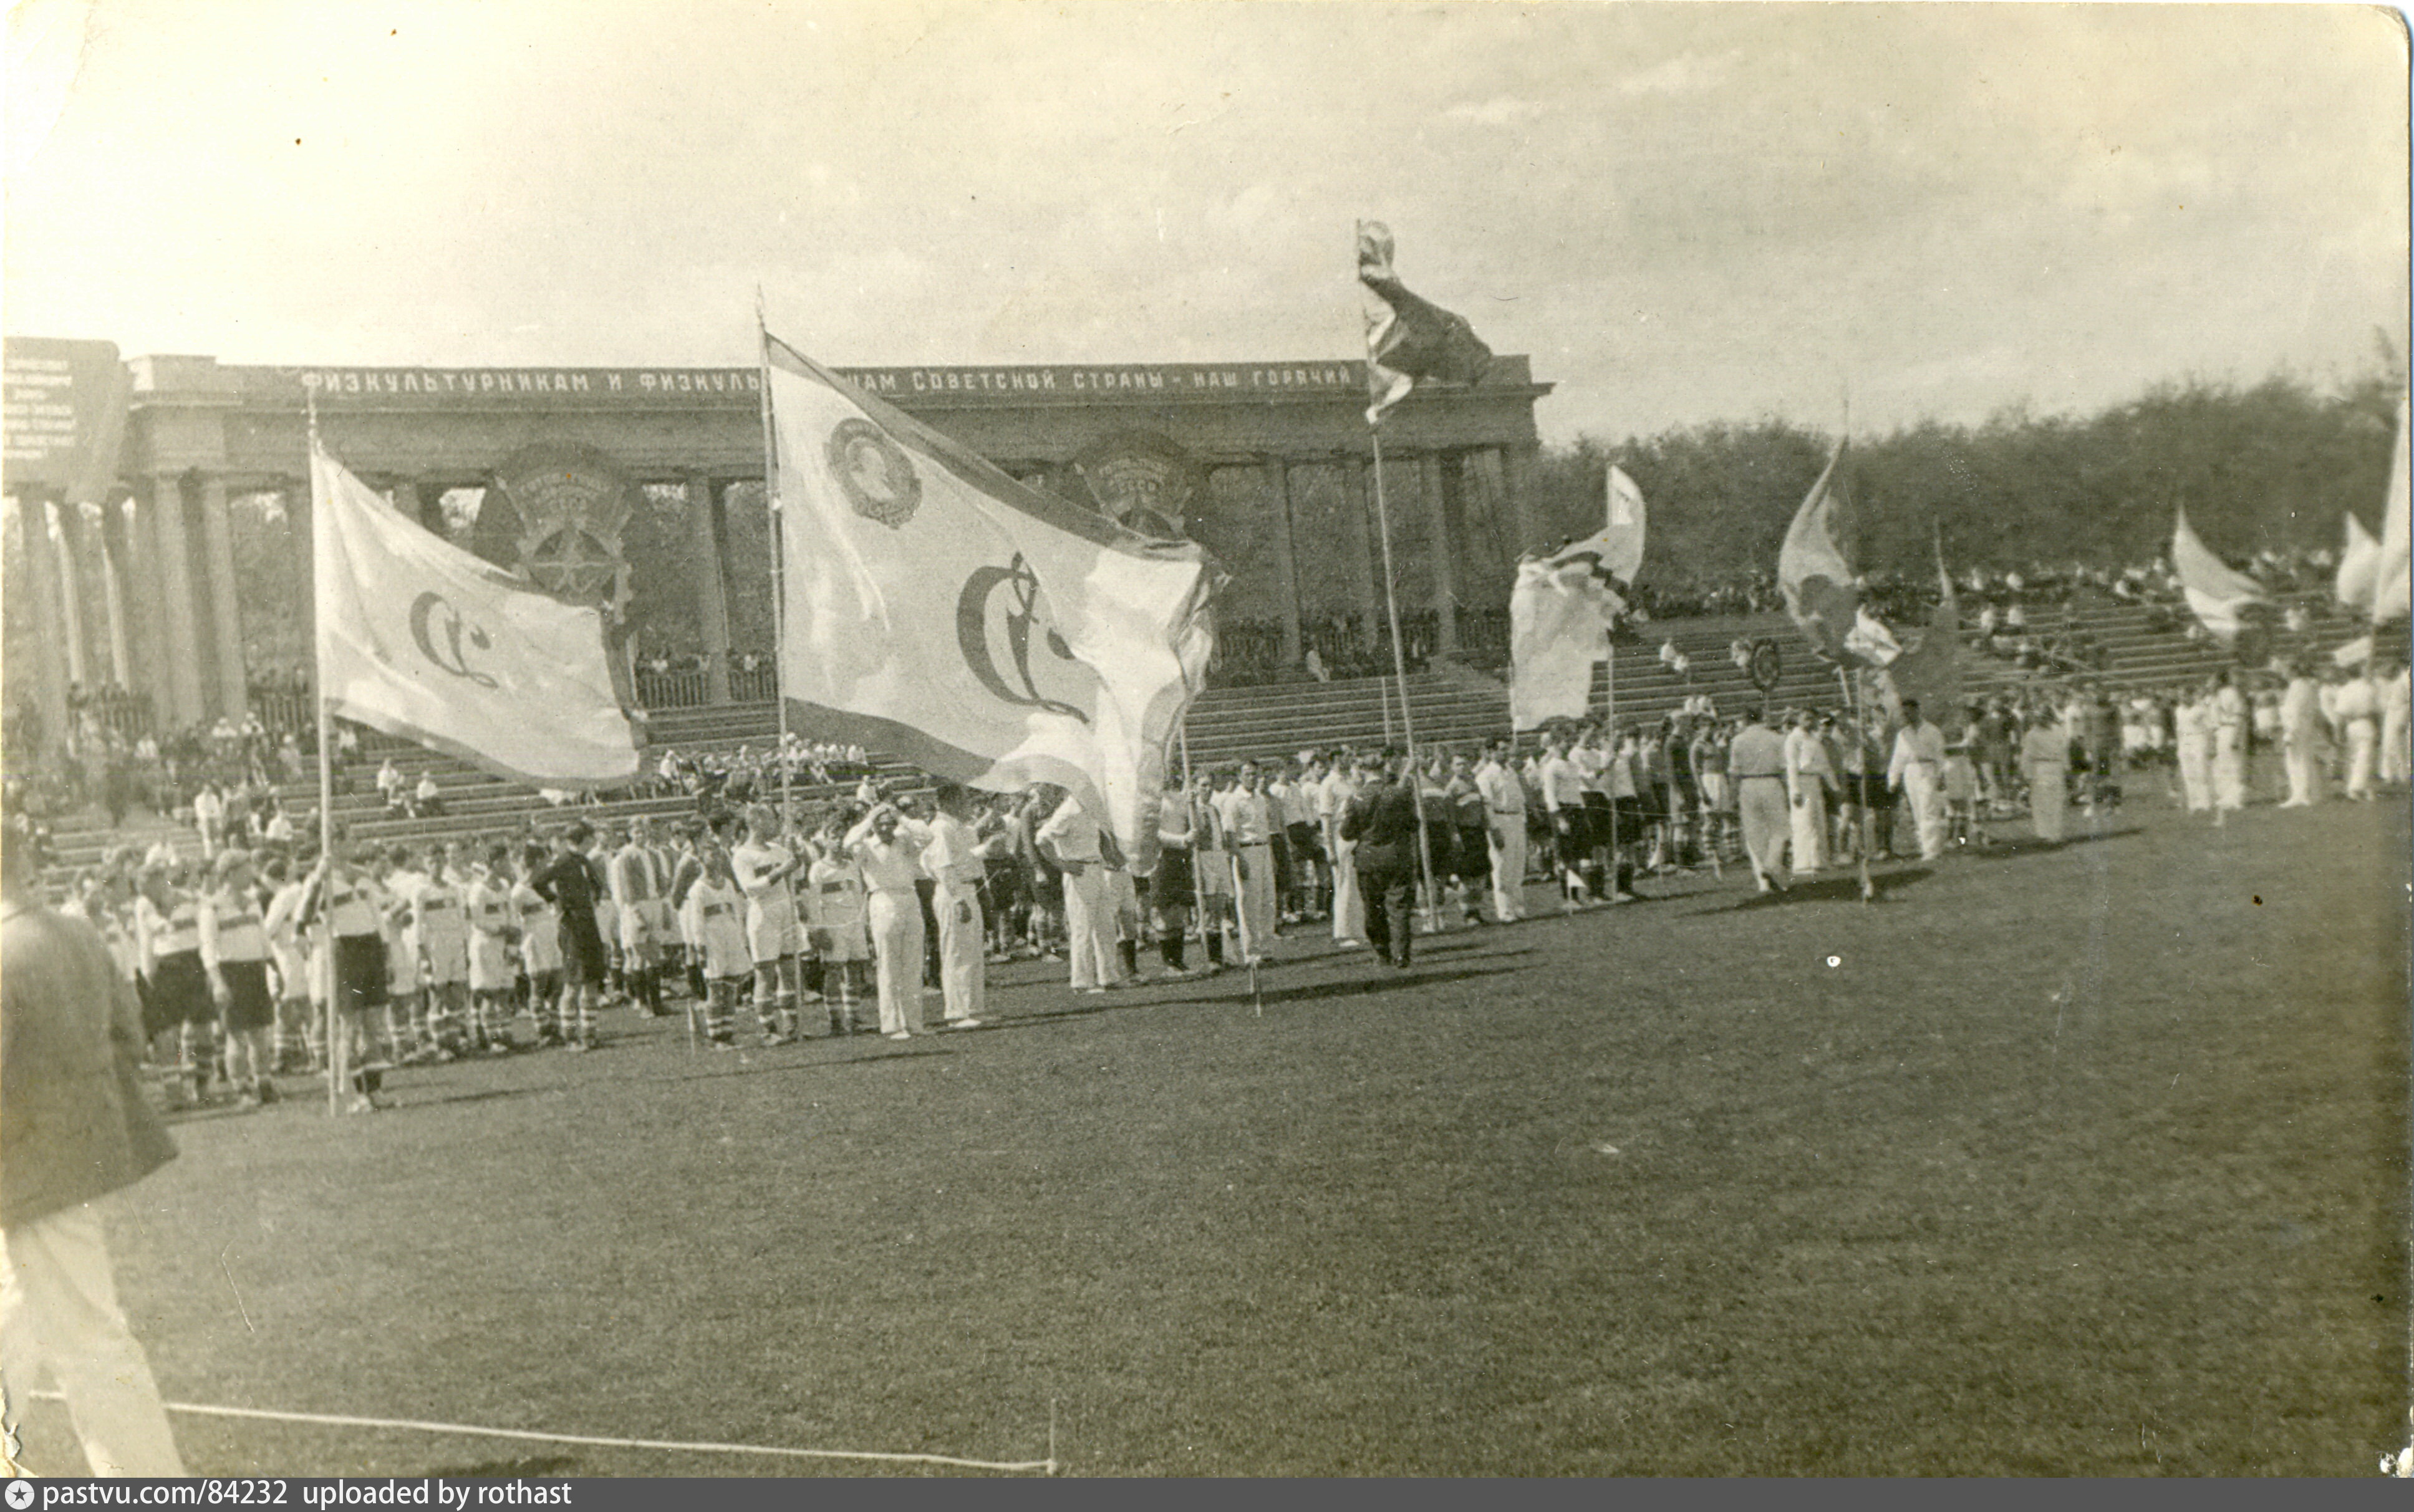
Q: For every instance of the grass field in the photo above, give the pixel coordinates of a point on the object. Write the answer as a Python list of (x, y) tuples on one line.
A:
[(2078, 1162)]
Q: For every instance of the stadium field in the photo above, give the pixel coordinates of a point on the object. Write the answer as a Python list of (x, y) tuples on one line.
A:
[(2076, 1162)]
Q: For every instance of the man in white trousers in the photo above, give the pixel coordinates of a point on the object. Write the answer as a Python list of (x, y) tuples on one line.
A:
[(1917, 772), (889, 856), (1069, 837), (1248, 819), (73, 1127), (2300, 738), (1333, 798), (1810, 776), (957, 860), (1504, 816)]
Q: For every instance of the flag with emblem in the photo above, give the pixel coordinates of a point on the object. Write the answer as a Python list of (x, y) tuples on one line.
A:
[(1563, 607), (423, 640), (1408, 338), (939, 610)]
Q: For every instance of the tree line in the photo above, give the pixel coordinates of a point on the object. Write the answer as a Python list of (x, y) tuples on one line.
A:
[(2273, 466)]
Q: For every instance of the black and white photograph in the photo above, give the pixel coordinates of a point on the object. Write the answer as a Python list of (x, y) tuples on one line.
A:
[(1201, 738)]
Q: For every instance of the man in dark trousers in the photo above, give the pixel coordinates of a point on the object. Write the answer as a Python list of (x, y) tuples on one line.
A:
[(73, 1127), (1382, 822)]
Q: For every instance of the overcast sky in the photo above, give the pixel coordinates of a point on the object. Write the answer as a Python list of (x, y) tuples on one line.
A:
[(1683, 211)]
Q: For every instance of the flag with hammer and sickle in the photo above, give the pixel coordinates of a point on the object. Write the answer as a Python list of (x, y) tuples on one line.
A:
[(423, 640), (939, 610)]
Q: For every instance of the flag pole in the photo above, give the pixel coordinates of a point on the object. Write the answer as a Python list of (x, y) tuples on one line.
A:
[(1867, 825), (778, 560), (1190, 814), (324, 926), (1400, 671)]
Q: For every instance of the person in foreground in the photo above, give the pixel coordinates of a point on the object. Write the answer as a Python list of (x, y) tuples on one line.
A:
[(73, 1127)]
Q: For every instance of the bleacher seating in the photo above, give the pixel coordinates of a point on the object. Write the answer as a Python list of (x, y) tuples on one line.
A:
[(1453, 706)]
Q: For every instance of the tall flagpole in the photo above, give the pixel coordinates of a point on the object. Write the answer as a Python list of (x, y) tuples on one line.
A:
[(338, 1054), (779, 559), (1400, 672)]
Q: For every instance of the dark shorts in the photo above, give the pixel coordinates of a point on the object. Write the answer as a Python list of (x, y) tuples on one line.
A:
[(180, 993), (1305, 844), (1472, 856), (360, 972), (584, 963), (1176, 884), (1575, 830), (248, 1004)]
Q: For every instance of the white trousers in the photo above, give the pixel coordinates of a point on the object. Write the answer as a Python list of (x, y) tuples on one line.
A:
[(2363, 751), (963, 979), (1811, 828), (2196, 774), (58, 1308), (1090, 928), (1927, 798), (2304, 772), (1253, 885), (2229, 769), (1348, 904), (1508, 845), (896, 921)]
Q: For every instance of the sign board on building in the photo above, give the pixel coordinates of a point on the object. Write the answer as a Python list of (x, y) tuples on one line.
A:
[(912, 387), (61, 416)]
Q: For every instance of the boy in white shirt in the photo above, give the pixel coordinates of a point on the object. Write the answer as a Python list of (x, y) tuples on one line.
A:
[(488, 901), (713, 922), (836, 912)]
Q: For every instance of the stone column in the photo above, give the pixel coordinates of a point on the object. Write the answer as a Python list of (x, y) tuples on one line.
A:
[(1286, 559), (1516, 482), (172, 568), (305, 580), (1440, 547), (711, 586), (226, 615), (112, 593), (124, 538), (70, 528), (1366, 571), (42, 579)]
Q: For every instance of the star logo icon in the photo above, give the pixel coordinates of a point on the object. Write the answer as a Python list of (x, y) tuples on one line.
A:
[(21, 1494)]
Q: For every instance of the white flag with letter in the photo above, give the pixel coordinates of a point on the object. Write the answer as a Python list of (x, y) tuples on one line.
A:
[(941, 612), (423, 640)]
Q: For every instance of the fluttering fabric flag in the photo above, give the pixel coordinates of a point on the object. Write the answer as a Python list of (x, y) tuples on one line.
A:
[(1408, 338), (1817, 579), (2221, 596), (939, 610), (423, 640), (1559, 615), (1563, 606), (2390, 567), (2359, 562)]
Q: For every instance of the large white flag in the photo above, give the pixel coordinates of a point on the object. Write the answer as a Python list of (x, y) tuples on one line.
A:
[(2390, 569), (423, 640), (1563, 607), (939, 610), (2219, 594)]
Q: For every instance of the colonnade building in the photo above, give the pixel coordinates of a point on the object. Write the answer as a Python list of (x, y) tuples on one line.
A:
[(642, 488)]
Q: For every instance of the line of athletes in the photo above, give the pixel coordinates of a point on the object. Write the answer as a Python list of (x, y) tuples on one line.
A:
[(437, 951)]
